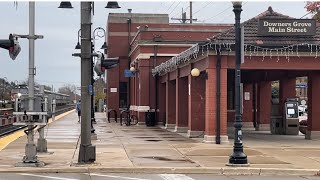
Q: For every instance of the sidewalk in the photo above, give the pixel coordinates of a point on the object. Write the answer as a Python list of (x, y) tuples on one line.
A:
[(144, 149)]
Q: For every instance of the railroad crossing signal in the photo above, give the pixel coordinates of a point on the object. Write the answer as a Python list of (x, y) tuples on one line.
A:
[(102, 64), (12, 45)]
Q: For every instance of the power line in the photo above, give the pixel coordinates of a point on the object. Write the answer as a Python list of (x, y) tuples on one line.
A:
[(184, 9), (232, 13), (202, 8), (187, 8), (175, 7), (219, 13), (170, 6), (160, 6), (204, 16)]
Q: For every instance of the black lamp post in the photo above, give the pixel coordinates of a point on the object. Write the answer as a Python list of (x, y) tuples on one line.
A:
[(104, 46), (238, 157), (95, 34)]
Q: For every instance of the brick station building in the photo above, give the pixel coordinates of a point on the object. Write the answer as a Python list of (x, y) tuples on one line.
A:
[(152, 41), (164, 55)]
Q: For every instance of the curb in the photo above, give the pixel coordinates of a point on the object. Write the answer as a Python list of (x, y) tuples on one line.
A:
[(169, 170)]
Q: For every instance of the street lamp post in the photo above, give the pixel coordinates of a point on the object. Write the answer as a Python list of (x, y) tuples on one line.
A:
[(238, 157), (104, 46)]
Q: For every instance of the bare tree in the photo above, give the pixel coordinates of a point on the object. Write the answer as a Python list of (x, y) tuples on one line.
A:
[(99, 85), (70, 90)]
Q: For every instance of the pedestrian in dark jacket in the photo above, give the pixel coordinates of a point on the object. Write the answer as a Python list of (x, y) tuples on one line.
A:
[(78, 107)]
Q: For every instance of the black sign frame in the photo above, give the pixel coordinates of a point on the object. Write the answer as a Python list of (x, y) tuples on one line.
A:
[(286, 27)]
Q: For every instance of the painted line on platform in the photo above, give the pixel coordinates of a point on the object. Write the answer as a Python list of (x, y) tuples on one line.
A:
[(175, 177), (48, 177), (6, 140), (119, 177)]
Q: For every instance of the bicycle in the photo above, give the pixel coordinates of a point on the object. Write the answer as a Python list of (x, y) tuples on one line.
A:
[(130, 119)]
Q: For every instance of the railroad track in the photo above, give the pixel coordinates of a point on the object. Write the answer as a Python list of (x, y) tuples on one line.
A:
[(8, 129)]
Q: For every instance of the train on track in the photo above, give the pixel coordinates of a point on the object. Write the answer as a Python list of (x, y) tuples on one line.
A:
[(21, 94)]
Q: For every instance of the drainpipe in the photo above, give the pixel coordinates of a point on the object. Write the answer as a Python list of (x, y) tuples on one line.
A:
[(254, 99), (156, 86), (129, 59), (218, 67)]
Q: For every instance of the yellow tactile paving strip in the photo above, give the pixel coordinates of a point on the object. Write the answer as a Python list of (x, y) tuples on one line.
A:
[(4, 141)]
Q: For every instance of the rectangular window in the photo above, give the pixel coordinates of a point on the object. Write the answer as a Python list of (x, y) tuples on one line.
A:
[(123, 95)]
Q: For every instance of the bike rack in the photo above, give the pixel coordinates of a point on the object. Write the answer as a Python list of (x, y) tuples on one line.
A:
[(115, 115), (123, 111), (134, 117)]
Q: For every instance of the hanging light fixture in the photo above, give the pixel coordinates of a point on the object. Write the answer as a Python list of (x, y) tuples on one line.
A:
[(65, 5), (104, 46), (78, 46), (113, 5)]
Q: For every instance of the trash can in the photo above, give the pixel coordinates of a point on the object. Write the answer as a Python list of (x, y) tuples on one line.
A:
[(276, 125), (150, 118)]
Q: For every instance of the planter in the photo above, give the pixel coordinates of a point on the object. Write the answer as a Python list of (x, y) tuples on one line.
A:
[(303, 129)]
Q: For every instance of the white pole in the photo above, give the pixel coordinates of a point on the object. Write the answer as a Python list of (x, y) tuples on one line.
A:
[(30, 149), (31, 54)]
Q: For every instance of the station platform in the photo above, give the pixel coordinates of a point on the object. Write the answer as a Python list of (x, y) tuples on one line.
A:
[(142, 149)]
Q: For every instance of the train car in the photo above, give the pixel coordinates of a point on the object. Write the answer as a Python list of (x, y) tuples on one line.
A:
[(21, 93)]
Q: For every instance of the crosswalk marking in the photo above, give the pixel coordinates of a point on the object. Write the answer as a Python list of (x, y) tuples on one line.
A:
[(49, 177), (175, 177), (118, 177)]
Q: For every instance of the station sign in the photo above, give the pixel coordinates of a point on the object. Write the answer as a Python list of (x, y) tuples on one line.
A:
[(286, 27), (128, 73), (301, 86)]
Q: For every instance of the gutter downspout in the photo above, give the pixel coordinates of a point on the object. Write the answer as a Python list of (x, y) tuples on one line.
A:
[(254, 99), (218, 95), (156, 85)]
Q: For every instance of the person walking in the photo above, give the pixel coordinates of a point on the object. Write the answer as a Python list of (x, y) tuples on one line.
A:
[(78, 107)]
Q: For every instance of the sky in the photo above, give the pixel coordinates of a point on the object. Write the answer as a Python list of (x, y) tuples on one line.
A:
[(54, 63)]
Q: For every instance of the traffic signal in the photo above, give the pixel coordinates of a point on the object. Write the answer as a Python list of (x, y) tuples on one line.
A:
[(12, 45), (102, 64)]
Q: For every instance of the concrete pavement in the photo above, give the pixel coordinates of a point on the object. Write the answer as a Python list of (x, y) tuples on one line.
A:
[(144, 176), (142, 149)]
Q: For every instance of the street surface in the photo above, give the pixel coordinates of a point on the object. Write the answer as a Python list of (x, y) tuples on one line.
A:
[(111, 176)]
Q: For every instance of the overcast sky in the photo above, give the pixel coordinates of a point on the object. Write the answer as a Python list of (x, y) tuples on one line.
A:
[(53, 60)]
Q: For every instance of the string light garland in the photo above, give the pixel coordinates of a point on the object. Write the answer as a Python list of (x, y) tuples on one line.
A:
[(186, 56), (176, 61)]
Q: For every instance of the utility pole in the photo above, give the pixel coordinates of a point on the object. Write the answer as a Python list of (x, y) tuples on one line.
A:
[(190, 12), (87, 152), (183, 18)]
